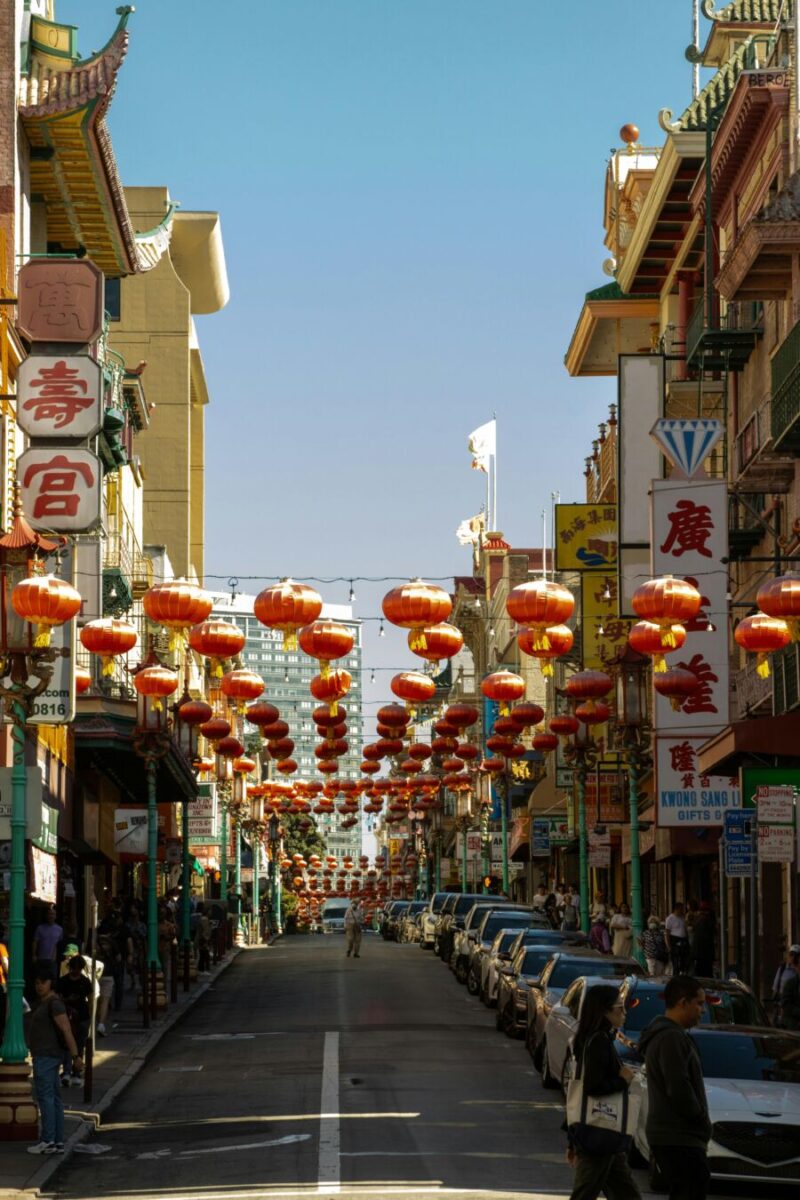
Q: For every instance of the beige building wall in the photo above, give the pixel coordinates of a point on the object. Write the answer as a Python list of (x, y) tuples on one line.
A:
[(156, 326)]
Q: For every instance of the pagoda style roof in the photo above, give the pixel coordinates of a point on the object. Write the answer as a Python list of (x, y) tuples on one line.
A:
[(63, 103), (746, 11), (711, 101)]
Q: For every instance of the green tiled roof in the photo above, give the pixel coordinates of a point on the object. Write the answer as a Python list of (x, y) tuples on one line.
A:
[(612, 291), (766, 12), (715, 95)]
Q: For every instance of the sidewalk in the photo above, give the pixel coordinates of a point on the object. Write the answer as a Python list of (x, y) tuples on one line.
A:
[(118, 1059)]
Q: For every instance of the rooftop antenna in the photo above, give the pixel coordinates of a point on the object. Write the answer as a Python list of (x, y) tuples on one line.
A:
[(696, 43)]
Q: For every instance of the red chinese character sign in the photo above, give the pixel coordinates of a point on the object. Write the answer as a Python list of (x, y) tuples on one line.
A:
[(60, 300), (61, 488), (685, 797), (60, 396)]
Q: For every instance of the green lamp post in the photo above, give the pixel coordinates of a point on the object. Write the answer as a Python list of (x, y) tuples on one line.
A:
[(633, 742)]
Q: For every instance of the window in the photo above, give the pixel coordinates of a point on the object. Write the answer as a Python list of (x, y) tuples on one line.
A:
[(113, 298)]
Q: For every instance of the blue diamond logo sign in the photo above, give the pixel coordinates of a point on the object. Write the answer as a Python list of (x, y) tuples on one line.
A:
[(687, 443)]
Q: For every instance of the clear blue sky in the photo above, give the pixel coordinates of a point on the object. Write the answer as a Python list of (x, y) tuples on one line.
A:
[(411, 201)]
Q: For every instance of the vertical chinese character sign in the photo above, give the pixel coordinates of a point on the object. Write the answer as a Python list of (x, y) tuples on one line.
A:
[(60, 394), (689, 515)]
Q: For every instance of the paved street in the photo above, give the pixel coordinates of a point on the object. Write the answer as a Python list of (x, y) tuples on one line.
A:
[(302, 1071)]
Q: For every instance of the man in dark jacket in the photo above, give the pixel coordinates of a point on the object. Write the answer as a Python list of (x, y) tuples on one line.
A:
[(678, 1126)]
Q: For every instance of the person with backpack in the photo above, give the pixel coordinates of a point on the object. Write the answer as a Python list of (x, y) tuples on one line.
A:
[(600, 1168), (49, 1035)]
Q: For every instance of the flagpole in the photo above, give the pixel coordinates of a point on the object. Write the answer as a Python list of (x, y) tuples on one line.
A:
[(555, 497), (494, 492), (489, 496), (544, 543)]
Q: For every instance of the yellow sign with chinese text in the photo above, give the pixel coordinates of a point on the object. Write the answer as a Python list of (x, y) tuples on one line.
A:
[(605, 634), (586, 536)]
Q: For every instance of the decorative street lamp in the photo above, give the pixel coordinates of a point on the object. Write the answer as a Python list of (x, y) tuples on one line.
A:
[(464, 822), (274, 836), (634, 743), (188, 715), (224, 777), (582, 753)]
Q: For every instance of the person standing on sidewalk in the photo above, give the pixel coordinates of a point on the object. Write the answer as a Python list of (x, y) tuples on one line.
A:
[(677, 936), (353, 925), (678, 1125), (49, 1035)]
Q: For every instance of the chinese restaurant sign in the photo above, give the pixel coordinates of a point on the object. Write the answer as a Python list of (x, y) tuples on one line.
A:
[(586, 536), (60, 397)]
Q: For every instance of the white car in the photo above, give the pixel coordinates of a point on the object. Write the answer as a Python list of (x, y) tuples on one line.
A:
[(752, 1080), (429, 917), (491, 962), (559, 1028)]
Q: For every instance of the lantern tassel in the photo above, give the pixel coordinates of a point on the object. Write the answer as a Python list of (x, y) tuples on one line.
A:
[(794, 628), (418, 641), (541, 641), (659, 663), (43, 635), (547, 669), (289, 640), (324, 669), (108, 665), (668, 637), (762, 666)]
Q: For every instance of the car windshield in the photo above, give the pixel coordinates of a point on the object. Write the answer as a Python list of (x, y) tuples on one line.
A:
[(570, 968), (417, 906), (503, 941), (463, 904), (502, 921), (438, 901), (532, 959), (721, 1008), (771, 1057)]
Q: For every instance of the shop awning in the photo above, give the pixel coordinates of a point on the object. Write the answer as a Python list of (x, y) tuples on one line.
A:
[(756, 740)]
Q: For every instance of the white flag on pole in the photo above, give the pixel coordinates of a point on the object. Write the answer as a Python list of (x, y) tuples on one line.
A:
[(469, 531), (482, 445)]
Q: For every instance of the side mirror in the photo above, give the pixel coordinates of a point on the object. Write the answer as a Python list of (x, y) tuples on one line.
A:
[(534, 983), (506, 971), (560, 1010), (504, 957)]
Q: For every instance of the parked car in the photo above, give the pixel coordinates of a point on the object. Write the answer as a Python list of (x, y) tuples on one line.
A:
[(478, 947), (429, 917), (514, 982), (463, 938), (442, 923), (386, 915), (454, 915), (563, 968), (752, 1081), (492, 962), (395, 917), (408, 930)]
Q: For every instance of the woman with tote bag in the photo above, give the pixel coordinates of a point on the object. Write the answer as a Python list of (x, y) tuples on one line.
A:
[(601, 1110)]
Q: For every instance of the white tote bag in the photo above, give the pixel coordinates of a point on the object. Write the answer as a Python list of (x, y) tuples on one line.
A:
[(600, 1124)]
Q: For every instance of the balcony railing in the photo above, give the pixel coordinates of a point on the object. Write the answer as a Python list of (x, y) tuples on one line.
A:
[(750, 691), (786, 392), (725, 345)]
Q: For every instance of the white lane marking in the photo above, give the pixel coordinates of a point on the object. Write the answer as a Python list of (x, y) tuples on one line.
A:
[(283, 1141), (365, 1190), (229, 1037), (178, 1070), (116, 1126), (329, 1170)]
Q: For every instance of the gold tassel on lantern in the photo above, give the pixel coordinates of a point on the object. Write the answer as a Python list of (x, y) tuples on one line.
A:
[(668, 639), (659, 663), (762, 665), (43, 636)]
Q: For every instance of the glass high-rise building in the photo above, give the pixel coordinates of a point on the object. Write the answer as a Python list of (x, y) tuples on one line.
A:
[(287, 676)]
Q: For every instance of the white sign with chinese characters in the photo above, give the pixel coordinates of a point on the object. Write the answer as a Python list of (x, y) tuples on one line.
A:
[(61, 488), (60, 396), (684, 796)]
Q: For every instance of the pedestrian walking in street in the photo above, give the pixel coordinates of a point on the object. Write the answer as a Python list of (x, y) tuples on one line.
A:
[(353, 925), (539, 899), (203, 940), (790, 995), (654, 947), (47, 939), (75, 989), (49, 1035), (600, 906), (602, 1074), (570, 917), (702, 941), (622, 932), (677, 936), (782, 975), (678, 1126), (598, 935)]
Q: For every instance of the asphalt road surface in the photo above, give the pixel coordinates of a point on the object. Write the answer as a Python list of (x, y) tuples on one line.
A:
[(303, 1072)]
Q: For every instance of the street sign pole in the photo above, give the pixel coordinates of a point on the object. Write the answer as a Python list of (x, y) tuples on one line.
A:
[(723, 888)]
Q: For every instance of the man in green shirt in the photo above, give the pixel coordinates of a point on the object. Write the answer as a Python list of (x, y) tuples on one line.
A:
[(49, 1035)]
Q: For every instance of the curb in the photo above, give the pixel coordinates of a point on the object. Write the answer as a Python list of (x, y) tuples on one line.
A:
[(90, 1122)]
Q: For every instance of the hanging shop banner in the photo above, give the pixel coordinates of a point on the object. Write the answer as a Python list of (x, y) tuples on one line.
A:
[(60, 300), (599, 845), (519, 834), (540, 845), (61, 488), (640, 404), (89, 577), (203, 817), (605, 634), (60, 397), (34, 805), (130, 831), (586, 536), (48, 838), (44, 876), (560, 833), (685, 797), (605, 797)]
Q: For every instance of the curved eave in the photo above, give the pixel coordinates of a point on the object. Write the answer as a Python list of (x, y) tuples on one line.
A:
[(606, 329), (676, 170)]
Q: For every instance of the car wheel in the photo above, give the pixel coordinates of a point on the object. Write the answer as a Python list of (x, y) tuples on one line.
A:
[(461, 969), (498, 1020), (473, 984), (508, 1022), (535, 1050), (548, 1080), (436, 947)]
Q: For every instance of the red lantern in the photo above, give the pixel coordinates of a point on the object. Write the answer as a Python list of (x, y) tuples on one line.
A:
[(241, 686), (593, 713), (507, 726), (435, 642), (287, 606), (516, 750), (544, 742), (371, 752), (45, 601), (325, 718), (281, 747), (244, 765), (527, 714), (177, 605), (277, 729), (332, 687), (393, 714), (645, 637), (677, 685), (262, 713), (444, 745), (589, 685), (467, 752), (155, 681), (493, 766), (504, 687), (287, 766), (541, 602), (564, 725), (546, 644), (369, 768), (390, 746), (326, 640), (762, 635), (413, 687), (108, 637), (445, 729), (329, 767), (416, 605), (498, 744), (461, 715), (215, 729), (83, 680), (195, 712), (230, 747), (419, 750), (666, 602), (780, 598), (217, 640)]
